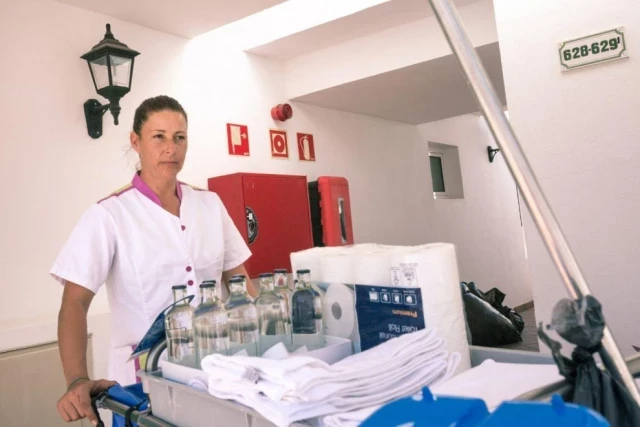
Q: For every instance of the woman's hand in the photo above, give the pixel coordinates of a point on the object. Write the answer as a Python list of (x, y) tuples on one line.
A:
[(72, 341), (76, 403)]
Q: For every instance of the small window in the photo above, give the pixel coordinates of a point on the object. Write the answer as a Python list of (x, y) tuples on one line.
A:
[(446, 176), (437, 175)]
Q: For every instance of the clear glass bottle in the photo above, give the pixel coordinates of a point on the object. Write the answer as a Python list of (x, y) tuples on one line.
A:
[(179, 329), (281, 288), (306, 314), (210, 324), (271, 326), (243, 318)]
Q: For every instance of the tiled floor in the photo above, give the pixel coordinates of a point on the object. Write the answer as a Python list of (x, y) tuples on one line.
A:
[(529, 334)]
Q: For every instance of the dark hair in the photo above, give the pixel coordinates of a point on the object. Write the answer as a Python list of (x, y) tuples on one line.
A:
[(153, 105)]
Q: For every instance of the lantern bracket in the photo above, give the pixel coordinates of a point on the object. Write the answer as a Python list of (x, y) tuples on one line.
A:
[(93, 112)]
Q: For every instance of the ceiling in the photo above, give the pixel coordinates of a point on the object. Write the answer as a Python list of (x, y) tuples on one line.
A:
[(421, 93), (185, 18), (368, 21)]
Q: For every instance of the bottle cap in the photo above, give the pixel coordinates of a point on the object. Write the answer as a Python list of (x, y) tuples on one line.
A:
[(236, 279), (208, 284), (280, 271), (176, 287), (265, 275), (305, 271)]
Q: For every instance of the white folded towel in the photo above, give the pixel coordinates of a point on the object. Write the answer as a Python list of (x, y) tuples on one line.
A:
[(490, 381), (283, 414), (304, 379), (302, 387), (310, 372)]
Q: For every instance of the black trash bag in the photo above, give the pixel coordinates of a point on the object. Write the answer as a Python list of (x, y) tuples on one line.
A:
[(464, 290), (515, 318), (495, 297), (488, 327), (581, 323), (475, 291)]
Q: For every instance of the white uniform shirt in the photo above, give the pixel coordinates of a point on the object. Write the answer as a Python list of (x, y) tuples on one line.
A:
[(140, 251)]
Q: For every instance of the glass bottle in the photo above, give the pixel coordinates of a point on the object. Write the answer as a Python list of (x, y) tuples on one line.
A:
[(281, 288), (243, 277), (210, 324), (179, 329), (243, 318), (306, 314), (271, 324)]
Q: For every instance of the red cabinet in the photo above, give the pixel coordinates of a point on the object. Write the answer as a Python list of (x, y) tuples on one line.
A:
[(272, 214), (330, 211)]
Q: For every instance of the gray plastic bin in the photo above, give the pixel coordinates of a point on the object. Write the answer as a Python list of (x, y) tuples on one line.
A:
[(185, 406)]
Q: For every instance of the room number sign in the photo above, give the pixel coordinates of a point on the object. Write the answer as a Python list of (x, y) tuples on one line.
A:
[(594, 49)]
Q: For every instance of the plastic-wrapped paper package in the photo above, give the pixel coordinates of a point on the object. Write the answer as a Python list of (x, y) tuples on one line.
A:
[(393, 274), (434, 269)]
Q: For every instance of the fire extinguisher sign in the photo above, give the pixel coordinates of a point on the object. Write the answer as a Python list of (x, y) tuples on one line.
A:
[(238, 139), (279, 146), (306, 149)]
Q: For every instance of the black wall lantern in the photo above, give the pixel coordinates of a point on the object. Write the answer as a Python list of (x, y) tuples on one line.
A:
[(111, 66)]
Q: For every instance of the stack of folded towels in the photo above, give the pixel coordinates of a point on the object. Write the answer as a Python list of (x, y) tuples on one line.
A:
[(302, 387), (492, 382)]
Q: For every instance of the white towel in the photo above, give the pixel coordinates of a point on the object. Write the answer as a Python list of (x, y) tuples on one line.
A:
[(283, 414), (349, 419), (384, 359), (301, 387), (490, 381), (307, 379)]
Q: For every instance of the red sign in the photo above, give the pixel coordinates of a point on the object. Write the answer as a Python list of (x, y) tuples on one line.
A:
[(279, 146), (306, 150), (238, 139)]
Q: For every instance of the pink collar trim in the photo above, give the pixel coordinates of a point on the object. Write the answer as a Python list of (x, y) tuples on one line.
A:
[(146, 191)]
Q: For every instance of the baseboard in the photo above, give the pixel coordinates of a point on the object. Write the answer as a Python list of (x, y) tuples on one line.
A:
[(523, 307)]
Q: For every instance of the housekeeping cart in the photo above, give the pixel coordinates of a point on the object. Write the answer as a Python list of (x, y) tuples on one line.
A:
[(176, 404)]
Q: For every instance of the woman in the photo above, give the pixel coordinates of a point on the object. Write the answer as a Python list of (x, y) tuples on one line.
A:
[(141, 240)]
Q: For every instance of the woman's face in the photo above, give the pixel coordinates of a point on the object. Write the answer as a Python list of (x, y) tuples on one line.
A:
[(162, 144)]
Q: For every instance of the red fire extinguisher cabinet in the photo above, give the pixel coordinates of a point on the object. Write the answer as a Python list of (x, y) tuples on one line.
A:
[(330, 211), (272, 214)]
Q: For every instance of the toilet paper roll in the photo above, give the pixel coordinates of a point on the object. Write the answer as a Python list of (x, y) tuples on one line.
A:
[(338, 311), (335, 268), (434, 269), (307, 259), (371, 269)]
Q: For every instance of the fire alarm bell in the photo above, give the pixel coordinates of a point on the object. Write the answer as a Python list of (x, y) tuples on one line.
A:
[(282, 112)]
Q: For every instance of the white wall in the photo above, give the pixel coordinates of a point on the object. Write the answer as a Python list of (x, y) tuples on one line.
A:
[(53, 171), (368, 152), (384, 51), (580, 131), (485, 224)]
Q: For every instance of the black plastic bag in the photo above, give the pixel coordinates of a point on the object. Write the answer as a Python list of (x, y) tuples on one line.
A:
[(495, 297), (581, 323), (475, 291), (488, 327)]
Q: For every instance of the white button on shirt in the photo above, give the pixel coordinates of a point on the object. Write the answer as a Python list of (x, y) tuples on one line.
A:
[(140, 251)]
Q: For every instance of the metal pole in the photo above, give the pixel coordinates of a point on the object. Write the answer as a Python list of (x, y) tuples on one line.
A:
[(519, 166)]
